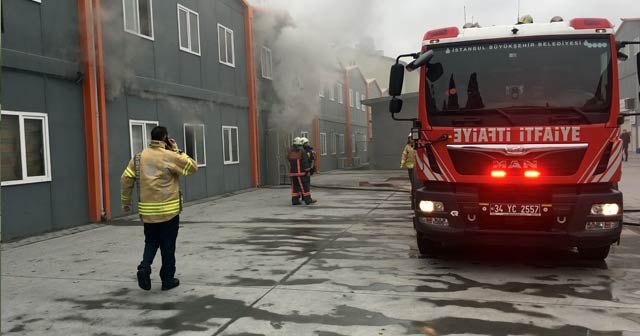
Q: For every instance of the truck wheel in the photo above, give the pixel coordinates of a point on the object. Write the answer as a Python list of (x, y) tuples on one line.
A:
[(427, 247), (594, 253)]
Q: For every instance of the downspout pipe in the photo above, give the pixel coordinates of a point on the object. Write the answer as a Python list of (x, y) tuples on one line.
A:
[(89, 98), (347, 139), (316, 135), (252, 93), (102, 111)]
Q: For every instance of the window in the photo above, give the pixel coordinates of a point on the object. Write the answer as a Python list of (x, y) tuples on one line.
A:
[(340, 94), (24, 148), (226, 54), (194, 143), (188, 30), (140, 134), (364, 143), (341, 143), (304, 134), (358, 106), (334, 143), (364, 107), (353, 143), (138, 17), (267, 63), (323, 144), (332, 93), (230, 144), (321, 93)]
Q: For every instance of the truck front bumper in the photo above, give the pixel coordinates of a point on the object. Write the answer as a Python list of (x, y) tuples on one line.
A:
[(465, 219)]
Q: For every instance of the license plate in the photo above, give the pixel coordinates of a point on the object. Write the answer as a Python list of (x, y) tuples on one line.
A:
[(514, 209)]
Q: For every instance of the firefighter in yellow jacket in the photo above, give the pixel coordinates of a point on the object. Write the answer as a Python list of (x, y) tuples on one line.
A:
[(156, 171), (408, 159)]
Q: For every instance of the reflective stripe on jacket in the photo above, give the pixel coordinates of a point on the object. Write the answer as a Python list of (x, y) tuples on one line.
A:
[(408, 157), (159, 183)]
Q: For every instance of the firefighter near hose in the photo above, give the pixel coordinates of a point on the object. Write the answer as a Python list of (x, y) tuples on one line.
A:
[(299, 173)]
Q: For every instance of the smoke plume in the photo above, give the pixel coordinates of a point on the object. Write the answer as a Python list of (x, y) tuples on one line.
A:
[(305, 38)]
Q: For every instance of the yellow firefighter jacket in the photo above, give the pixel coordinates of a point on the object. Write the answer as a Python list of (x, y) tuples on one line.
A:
[(158, 183), (408, 157)]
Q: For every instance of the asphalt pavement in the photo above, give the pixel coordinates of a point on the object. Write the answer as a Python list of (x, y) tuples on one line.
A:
[(252, 264)]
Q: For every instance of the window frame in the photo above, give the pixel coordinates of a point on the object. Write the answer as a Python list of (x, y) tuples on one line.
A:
[(204, 144), (230, 145), (304, 134), (44, 118), (189, 49), (332, 93), (357, 96), (144, 124), (363, 106), (364, 142), (341, 143), (340, 93), (263, 52), (124, 19), (353, 143), (233, 52), (334, 144), (323, 144), (321, 92), (350, 97)]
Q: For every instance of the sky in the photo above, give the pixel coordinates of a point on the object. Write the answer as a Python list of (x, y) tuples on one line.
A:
[(397, 26)]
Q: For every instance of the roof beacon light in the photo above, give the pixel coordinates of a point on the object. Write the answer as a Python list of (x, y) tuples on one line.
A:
[(442, 33), (590, 23), (557, 19)]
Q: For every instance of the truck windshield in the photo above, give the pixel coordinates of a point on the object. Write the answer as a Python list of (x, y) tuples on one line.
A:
[(525, 82)]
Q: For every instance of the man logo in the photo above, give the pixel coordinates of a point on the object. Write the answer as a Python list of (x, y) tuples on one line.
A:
[(514, 149), (517, 164)]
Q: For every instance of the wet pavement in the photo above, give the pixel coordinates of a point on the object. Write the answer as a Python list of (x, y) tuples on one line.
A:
[(251, 264)]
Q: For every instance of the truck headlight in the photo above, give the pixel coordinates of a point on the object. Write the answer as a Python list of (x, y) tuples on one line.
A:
[(431, 206), (605, 209)]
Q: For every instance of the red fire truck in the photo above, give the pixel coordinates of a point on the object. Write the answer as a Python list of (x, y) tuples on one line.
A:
[(516, 135)]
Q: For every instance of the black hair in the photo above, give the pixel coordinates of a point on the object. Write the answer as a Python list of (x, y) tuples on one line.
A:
[(158, 133)]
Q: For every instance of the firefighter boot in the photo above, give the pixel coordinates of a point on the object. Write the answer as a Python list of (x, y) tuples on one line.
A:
[(171, 284), (144, 278)]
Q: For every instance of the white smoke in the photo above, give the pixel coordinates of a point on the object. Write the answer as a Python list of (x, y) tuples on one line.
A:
[(305, 38)]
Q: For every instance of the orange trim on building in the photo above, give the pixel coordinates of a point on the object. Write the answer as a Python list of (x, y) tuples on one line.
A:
[(254, 152), (347, 108), (102, 108), (368, 110), (89, 99), (316, 135)]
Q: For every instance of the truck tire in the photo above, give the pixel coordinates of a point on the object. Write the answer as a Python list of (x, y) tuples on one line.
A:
[(594, 253), (427, 247)]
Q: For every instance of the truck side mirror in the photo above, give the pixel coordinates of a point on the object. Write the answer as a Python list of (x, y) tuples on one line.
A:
[(395, 105), (396, 78)]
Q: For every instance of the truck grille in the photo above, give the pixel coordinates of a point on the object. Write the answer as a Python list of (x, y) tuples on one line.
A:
[(553, 161)]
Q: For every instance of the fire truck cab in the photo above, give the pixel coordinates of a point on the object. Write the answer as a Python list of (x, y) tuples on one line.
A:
[(516, 136)]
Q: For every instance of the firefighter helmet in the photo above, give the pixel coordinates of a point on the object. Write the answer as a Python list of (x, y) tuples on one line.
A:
[(297, 141), (304, 140)]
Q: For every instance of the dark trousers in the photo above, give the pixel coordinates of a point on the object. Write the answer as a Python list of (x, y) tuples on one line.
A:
[(161, 235), (625, 152), (300, 187), (411, 177)]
